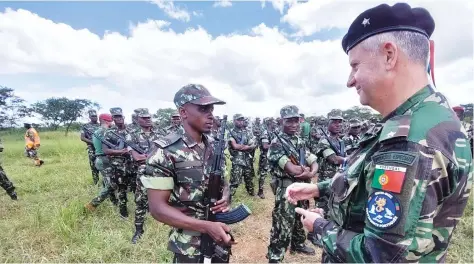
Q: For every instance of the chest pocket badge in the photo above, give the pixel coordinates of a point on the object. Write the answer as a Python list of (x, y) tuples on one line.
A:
[(383, 210)]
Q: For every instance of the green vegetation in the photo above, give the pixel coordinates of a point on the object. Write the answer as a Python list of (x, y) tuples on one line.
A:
[(48, 222)]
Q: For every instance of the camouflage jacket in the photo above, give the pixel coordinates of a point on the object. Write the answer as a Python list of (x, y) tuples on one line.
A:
[(172, 129), (257, 130), (277, 156), (314, 138), (92, 127), (404, 189), (244, 137), (323, 151), (143, 140), (266, 136), (351, 143), (181, 165), (132, 128), (109, 137)]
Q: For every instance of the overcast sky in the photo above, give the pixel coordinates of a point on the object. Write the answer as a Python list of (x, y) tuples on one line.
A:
[(257, 56)]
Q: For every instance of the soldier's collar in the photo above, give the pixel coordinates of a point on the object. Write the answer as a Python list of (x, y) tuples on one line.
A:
[(418, 97), (190, 142)]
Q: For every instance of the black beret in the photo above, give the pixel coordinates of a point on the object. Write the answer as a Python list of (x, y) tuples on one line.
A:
[(385, 18)]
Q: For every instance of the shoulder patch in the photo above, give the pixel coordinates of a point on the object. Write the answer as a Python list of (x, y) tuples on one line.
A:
[(396, 127), (389, 178), (168, 140), (383, 210), (401, 157)]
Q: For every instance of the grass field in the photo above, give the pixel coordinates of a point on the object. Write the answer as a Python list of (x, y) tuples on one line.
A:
[(48, 222)]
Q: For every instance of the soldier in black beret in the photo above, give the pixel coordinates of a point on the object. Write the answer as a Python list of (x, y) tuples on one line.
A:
[(400, 195)]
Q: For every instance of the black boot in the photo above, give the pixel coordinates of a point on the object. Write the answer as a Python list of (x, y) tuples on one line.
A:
[(302, 249), (123, 211), (260, 194), (138, 233), (13, 195)]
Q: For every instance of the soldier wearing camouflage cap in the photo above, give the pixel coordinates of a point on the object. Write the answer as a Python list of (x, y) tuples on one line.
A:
[(351, 140), (143, 139), (87, 131), (175, 123), (405, 189), (266, 136), (174, 173), (241, 144), (117, 173), (134, 125), (284, 158)]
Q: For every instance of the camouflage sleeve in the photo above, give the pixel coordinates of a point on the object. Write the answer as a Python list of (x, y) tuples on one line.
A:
[(129, 138), (324, 149), (310, 157), (252, 140), (416, 196), (158, 173), (276, 155)]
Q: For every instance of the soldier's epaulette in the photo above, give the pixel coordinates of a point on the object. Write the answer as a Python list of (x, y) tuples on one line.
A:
[(168, 140), (396, 127)]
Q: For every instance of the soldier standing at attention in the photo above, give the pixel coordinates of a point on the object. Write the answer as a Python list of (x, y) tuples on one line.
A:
[(142, 138), (101, 163), (177, 173), (241, 144), (286, 227), (331, 152), (118, 158), (351, 140), (266, 136), (6, 184), (86, 137), (175, 124), (132, 127), (33, 143), (406, 187)]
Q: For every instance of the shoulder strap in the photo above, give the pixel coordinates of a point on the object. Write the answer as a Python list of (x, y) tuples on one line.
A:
[(168, 140)]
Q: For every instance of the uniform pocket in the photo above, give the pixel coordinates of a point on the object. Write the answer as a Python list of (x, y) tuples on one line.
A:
[(190, 178)]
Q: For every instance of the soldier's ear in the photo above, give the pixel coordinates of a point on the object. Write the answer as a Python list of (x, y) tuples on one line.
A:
[(182, 112)]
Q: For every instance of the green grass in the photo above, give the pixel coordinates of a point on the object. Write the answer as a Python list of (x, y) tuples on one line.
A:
[(48, 222)]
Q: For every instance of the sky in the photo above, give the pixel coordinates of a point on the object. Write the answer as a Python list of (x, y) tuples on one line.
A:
[(257, 56)]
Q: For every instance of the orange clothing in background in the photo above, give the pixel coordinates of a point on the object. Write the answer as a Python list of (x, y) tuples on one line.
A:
[(32, 139)]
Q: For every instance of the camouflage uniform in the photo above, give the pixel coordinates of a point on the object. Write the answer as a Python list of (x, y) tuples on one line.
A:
[(286, 226), (406, 187), (326, 168), (90, 148), (144, 141), (263, 166), (241, 160), (109, 185), (351, 142), (315, 136), (119, 165), (6, 184), (181, 165)]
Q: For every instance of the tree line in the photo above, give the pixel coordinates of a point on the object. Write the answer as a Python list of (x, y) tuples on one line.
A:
[(62, 112)]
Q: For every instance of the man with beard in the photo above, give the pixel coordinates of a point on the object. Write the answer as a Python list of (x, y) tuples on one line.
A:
[(86, 137), (175, 177)]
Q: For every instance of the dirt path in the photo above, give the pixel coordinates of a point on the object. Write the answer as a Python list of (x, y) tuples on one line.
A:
[(253, 237)]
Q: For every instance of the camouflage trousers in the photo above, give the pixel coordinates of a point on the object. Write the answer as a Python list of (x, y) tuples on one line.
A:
[(237, 172), (32, 153), (92, 158), (5, 182), (107, 191), (141, 199), (263, 169), (286, 226), (114, 180), (132, 170)]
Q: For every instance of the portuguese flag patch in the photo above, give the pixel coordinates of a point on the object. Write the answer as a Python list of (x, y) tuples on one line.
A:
[(389, 178)]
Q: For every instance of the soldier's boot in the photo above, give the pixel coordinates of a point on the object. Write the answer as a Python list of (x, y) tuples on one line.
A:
[(13, 195), (90, 207), (260, 193), (123, 211), (302, 249), (138, 233)]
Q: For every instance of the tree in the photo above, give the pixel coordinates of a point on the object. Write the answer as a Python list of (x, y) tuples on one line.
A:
[(361, 113), (163, 117), (62, 111), (12, 108)]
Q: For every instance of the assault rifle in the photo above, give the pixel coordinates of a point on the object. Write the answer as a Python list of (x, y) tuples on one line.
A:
[(132, 145), (341, 153), (210, 250), (105, 142)]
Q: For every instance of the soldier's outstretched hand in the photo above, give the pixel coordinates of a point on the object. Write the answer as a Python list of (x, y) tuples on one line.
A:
[(301, 191), (308, 217)]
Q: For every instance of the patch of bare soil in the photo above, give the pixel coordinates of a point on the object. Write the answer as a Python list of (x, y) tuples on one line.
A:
[(253, 237)]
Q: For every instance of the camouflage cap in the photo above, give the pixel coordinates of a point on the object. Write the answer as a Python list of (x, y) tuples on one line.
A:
[(238, 116), (336, 115), (289, 111), (354, 122), (143, 112), (195, 94), (175, 114), (136, 111), (116, 111), (92, 112)]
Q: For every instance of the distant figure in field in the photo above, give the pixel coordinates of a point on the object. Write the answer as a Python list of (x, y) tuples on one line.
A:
[(5, 182), (32, 144)]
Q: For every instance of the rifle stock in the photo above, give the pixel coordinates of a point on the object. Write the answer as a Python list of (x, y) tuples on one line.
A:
[(210, 250)]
